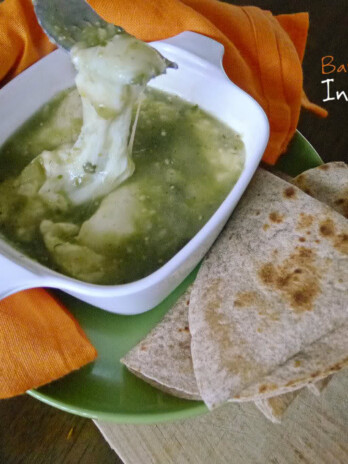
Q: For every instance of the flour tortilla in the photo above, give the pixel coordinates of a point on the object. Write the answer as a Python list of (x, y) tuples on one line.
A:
[(163, 358), (274, 283), (328, 183), (166, 360), (274, 408), (317, 361), (318, 387)]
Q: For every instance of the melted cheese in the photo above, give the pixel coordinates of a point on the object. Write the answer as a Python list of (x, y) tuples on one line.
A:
[(109, 79)]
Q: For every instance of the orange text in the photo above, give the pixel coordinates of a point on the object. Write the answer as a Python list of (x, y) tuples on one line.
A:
[(328, 65)]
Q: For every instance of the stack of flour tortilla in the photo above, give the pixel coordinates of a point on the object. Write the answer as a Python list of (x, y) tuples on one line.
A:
[(268, 312)]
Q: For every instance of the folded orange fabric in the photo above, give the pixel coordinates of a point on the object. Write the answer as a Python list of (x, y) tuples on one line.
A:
[(39, 341)]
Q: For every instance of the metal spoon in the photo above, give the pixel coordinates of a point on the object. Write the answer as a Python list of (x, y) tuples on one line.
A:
[(67, 22)]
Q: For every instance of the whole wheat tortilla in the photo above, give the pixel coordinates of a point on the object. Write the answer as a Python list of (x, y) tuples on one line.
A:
[(275, 407), (167, 364), (317, 387), (273, 284), (317, 361), (163, 358), (328, 183)]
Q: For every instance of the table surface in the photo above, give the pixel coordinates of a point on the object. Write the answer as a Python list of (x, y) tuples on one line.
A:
[(32, 432)]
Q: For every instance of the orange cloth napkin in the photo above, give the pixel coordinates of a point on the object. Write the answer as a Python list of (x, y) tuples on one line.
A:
[(39, 340)]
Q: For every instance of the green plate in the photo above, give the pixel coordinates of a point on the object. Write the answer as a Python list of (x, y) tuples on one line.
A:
[(105, 389)]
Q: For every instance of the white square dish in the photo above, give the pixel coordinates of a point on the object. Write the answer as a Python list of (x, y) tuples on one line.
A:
[(200, 79)]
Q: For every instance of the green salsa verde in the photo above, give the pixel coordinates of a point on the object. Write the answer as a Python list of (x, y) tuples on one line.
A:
[(186, 162)]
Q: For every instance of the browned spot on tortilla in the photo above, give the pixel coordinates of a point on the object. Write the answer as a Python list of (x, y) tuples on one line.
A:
[(290, 192), (339, 201), (265, 226), (338, 366), (218, 324), (184, 329), (327, 228), (257, 213), (296, 278), (297, 363), (301, 182), (329, 370), (342, 203), (267, 387), (341, 243), (244, 299), (302, 239), (267, 273), (317, 241), (305, 252), (187, 302), (305, 221), (324, 167), (276, 217), (299, 297), (143, 348), (311, 378)]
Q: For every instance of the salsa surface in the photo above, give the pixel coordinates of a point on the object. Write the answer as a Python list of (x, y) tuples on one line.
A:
[(186, 162)]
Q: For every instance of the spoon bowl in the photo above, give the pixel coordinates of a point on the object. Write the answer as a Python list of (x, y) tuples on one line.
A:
[(67, 22)]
